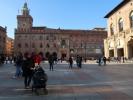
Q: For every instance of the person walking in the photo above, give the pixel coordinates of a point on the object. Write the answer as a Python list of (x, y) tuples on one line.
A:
[(80, 62), (37, 59), (99, 61), (104, 60), (18, 65), (51, 62), (27, 67), (70, 62)]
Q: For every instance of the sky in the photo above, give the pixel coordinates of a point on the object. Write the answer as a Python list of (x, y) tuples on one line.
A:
[(66, 14)]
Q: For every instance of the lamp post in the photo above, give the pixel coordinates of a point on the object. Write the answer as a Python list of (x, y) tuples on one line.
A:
[(85, 50)]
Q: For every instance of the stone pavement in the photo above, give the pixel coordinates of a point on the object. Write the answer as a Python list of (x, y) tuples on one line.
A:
[(92, 82)]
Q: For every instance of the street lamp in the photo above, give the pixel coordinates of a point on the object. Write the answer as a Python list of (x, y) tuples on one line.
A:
[(85, 50)]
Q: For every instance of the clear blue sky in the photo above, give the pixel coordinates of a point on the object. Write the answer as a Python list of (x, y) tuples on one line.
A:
[(66, 14)]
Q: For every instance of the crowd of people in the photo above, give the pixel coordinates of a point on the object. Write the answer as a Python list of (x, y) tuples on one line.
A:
[(26, 64)]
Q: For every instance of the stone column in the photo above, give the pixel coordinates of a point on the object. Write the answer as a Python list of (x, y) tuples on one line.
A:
[(106, 48), (125, 49), (115, 50)]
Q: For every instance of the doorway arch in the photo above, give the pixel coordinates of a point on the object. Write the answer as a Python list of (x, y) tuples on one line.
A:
[(130, 48)]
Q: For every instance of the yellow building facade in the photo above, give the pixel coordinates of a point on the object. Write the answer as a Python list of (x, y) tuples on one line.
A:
[(119, 42)]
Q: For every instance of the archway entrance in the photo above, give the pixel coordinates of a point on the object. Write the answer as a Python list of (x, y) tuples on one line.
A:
[(42, 55), (47, 54), (111, 53), (54, 56), (120, 52), (130, 49), (63, 56)]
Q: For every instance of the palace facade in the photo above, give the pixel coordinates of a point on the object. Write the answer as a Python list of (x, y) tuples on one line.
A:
[(60, 42), (3, 35), (119, 42)]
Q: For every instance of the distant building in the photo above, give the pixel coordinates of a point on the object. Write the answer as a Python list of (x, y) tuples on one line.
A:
[(9, 46), (119, 42), (3, 35), (59, 42)]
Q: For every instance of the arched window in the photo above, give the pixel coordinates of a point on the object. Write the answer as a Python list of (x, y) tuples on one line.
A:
[(41, 46), (112, 29), (131, 19), (33, 45), (120, 23), (47, 37), (40, 38), (47, 46), (63, 43), (26, 45), (54, 45), (19, 45)]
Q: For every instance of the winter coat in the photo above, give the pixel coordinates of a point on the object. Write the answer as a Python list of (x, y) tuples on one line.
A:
[(27, 67)]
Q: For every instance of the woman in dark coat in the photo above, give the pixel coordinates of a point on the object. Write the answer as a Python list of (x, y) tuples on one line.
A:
[(27, 67), (70, 62)]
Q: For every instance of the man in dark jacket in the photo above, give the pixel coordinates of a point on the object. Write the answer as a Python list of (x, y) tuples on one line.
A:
[(104, 60), (51, 62), (27, 67), (18, 64), (70, 62)]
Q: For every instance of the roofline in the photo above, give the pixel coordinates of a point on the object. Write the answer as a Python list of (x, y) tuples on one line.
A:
[(117, 8), (2, 29)]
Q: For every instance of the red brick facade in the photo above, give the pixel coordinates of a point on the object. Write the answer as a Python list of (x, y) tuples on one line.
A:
[(29, 39)]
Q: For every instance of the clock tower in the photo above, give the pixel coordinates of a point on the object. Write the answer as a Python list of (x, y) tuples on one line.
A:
[(25, 20)]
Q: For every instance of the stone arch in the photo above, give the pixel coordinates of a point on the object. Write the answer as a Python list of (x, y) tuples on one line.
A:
[(47, 54), (130, 47)]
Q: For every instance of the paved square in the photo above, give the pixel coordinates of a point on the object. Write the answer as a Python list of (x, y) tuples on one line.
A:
[(92, 82)]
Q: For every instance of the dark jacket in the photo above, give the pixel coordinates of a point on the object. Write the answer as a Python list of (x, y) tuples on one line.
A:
[(70, 60), (50, 59), (27, 66)]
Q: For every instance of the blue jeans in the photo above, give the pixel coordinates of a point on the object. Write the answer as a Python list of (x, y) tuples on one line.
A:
[(18, 71)]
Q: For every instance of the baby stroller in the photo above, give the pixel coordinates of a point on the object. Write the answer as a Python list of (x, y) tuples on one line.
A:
[(39, 79)]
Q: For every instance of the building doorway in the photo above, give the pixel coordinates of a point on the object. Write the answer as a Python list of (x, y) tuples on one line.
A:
[(111, 53), (47, 55), (63, 56), (130, 49), (55, 56), (120, 52)]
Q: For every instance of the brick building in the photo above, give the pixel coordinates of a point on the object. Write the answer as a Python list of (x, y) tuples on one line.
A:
[(3, 35), (60, 42)]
